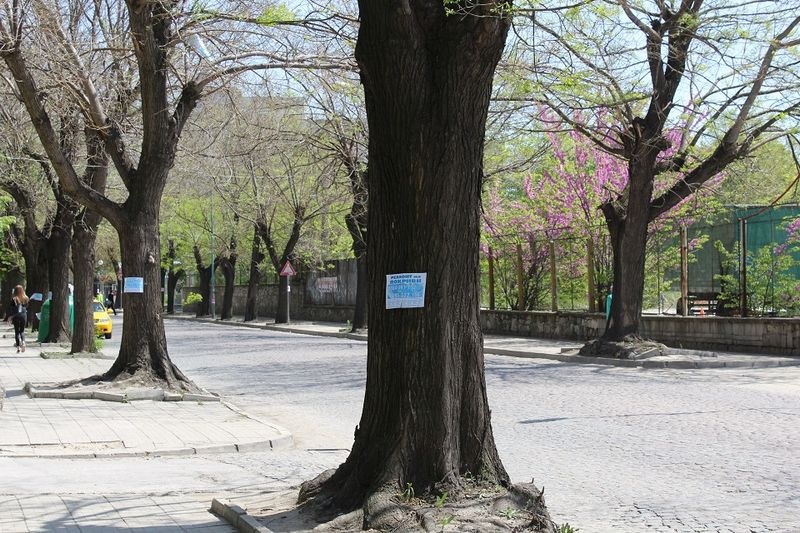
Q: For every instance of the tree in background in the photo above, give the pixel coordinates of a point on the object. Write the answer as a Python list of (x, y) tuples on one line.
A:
[(140, 50), (736, 96)]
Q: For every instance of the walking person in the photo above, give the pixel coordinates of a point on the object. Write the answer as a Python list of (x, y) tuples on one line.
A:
[(112, 300), (18, 313)]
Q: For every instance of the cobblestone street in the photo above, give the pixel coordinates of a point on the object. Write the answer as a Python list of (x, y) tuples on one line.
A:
[(617, 449)]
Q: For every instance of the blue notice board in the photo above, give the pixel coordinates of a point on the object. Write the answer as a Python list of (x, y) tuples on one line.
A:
[(405, 290)]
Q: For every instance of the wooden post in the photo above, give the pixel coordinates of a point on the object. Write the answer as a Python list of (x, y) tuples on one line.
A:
[(743, 267), (491, 279), (684, 272), (590, 275), (520, 281), (553, 279)]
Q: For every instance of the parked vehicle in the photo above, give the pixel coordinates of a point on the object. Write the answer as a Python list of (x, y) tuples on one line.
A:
[(102, 322)]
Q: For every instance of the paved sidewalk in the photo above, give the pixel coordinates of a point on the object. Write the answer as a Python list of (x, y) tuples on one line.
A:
[(537, 348), (46, 427)]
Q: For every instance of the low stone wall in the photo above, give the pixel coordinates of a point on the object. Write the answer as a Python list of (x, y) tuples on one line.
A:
[(780, 336), (547, 325), (267, 302)]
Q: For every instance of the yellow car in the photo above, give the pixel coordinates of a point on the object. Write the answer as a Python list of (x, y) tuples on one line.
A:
[(102, 322)]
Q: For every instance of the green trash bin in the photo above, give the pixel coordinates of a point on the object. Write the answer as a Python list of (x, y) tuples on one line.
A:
[(44, 319)]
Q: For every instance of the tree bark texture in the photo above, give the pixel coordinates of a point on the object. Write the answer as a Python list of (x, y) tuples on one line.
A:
[(356, 222), (173, 276), (83, 250), (143, 350), (172, 282), (33, 247), (427, 79), (58, 267), (83, 257), (283, 313), (13, 277), (205, 273), (256, 274), (228, 266)]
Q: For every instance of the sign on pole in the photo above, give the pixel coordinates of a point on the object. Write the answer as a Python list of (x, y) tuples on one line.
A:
[(288, 269)]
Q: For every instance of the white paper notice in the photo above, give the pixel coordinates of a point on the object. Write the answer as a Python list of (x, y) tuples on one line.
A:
[(133, 285), (405, 290)]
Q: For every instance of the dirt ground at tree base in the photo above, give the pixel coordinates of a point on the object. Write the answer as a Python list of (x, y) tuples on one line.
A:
[(479, 508)]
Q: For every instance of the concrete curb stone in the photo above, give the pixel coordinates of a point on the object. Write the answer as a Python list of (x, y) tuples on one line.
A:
[(129, 395), (237, 517), (215, 448), (109, 396)]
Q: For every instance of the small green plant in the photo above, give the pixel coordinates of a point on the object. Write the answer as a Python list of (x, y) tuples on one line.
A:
[(408, 494), (446, 520), (98, 344), (509, 513), (440, 499), (566, 528), (193, 298)]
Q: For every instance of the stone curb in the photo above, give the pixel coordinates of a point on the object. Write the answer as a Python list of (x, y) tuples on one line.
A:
[(131, 395), (279, 443), (633, 363), (237, 517), (283, 441)]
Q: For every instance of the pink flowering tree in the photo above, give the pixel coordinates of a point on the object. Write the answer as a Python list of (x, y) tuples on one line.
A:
[(559, 200)]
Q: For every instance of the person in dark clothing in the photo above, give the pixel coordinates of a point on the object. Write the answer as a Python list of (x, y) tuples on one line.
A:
[(18, 313), (112, 300)]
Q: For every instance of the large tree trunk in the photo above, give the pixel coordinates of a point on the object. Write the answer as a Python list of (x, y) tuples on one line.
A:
[(362, 293), (628, 232), (282, 313), (83, 258), (143, 350), (205, 273), (172, 282), (256, 258), (11, 279), (58, 262), (425, 421), (36, 279), (83, 251), (356, 222), (172, 278), (228, 266)]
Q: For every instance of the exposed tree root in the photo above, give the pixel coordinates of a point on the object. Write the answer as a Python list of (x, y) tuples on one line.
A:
[(631, 347), (469, 506)]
